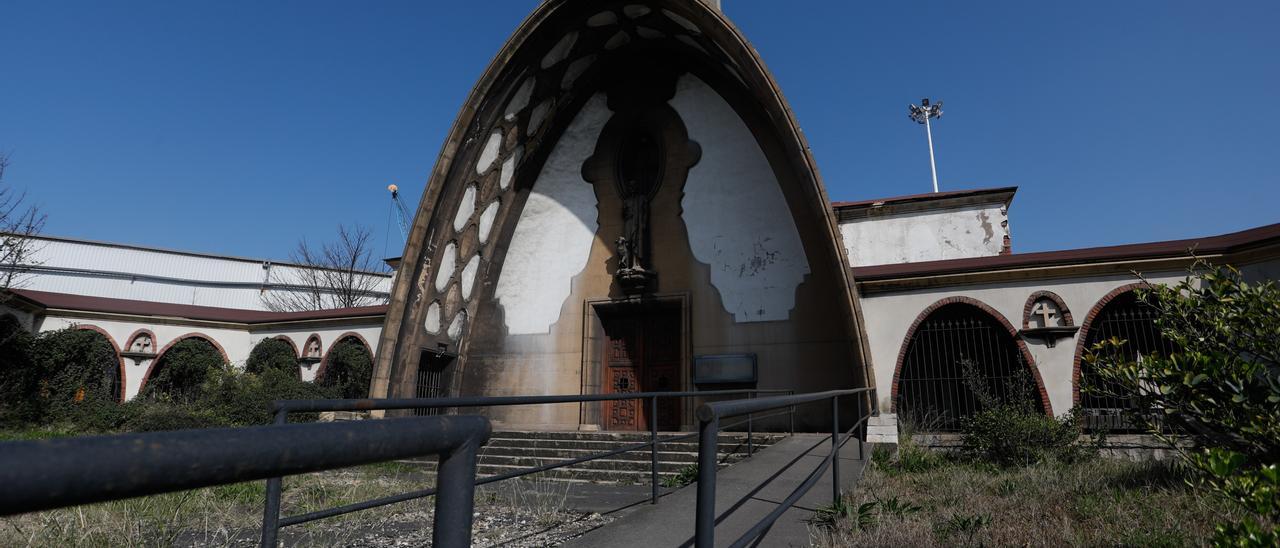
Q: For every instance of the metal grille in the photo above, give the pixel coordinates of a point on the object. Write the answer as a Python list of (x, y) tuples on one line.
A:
[(1133, 321), (432, 380), (932, 388)]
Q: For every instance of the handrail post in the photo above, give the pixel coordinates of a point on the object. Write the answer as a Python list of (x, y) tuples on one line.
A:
[(835, 450), (708, 446), (653, 453), (750, 429), (791, 415), (271, 507), (455, 496)]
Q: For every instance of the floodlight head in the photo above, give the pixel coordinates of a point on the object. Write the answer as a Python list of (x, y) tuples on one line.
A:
[(924, 102)]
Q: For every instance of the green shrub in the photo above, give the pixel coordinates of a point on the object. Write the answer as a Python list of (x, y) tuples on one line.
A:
[(1009, 428), (349, 369), (1011, 435), (1219, 389), (156, 416), (183, 370), (57, 376), (272, 354), (19, 376)]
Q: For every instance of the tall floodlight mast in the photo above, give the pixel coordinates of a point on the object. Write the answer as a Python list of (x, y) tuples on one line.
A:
[(402, 215), (921, 114)]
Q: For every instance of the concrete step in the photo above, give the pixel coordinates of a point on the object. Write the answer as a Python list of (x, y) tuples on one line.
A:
[(566, 454), (510, 451), (725, 437), (604, 445), (606, 464)]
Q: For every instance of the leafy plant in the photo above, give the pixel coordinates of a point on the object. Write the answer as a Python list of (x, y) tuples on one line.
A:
[(964, 524), (272, 354), (182, 370), (349, 369), (861, 517), (896, 507), (1219, 388), (685, 476), (1010, 430)]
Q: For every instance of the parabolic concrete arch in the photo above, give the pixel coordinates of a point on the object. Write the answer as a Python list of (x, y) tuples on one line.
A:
[(625, 176)]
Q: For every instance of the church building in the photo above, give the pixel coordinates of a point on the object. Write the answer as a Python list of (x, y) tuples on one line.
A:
[(625, 203)]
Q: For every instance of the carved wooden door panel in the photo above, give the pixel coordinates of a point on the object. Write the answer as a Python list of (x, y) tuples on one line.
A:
[(662, 355), (622, 363), (642, 353)]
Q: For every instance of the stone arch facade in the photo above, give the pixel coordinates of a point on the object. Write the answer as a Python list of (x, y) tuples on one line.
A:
[(114, 348), (994, 314), (160, 355), (517, 230), (1082, 336), (1042, 294)]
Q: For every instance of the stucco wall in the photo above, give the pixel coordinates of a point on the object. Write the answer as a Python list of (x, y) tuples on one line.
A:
[(973, 231), (235, 342), (890, 315)]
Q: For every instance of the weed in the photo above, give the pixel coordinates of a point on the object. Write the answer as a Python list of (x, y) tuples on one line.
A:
[(832, 515), (897, 507), (966, 525), (685, 476)]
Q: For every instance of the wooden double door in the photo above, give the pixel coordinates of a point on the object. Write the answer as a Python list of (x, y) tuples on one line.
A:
[(642, 353)]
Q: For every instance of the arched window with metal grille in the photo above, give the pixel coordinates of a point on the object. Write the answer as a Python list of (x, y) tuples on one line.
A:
[(956, 347), (1129, 319)]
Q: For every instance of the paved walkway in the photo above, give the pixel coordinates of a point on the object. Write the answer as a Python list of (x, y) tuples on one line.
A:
[(745, 493)]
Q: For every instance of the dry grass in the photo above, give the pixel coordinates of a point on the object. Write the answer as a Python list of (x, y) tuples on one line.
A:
[(231, 515), (1098, 502)]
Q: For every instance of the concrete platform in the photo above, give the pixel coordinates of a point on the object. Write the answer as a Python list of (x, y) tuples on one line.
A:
[(745, 493)]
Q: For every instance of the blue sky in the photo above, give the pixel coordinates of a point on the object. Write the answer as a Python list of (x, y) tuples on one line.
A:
[(239, 127)]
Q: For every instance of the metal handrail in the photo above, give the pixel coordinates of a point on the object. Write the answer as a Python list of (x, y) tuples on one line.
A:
[(709, 415), (45, 474), (272, 521)]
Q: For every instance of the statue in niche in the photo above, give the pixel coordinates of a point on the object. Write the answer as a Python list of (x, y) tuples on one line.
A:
[(639, 173)]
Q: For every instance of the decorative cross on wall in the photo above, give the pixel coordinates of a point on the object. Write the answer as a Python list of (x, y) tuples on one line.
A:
[(1046, 312)]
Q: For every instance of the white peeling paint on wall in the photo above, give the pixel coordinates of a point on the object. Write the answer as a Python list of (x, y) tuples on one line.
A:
[(552, 238), (737, 217), (489, 153), (974, 231), (469, 276), (465, 208), (432, 321), (487, 218), (448, 261)]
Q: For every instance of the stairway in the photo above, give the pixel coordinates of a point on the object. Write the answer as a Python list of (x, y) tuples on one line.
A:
[(508, 451)]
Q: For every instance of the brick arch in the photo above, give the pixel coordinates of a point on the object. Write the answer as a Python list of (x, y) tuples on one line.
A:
[(324, 362), (312, 337), (128, 341), (1031, 302), (1082, 336), (160, 355), (124, 386), (998, 317), (288, 340)]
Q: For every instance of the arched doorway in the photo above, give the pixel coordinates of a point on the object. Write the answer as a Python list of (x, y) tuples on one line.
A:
[(1125, 317), (953, 348)]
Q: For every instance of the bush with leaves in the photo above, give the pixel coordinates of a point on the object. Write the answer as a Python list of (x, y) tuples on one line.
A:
[(19, 377), (1009, 429), (273, 354), (182, 370), (79, 373), (349, 369), (1219, 389)]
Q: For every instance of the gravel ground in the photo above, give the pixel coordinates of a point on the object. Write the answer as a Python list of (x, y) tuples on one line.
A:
[(491, 527)]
